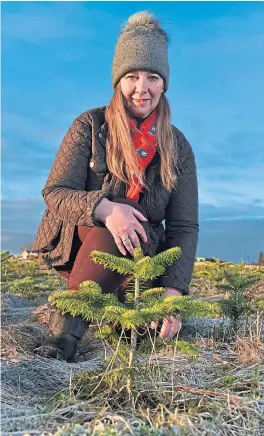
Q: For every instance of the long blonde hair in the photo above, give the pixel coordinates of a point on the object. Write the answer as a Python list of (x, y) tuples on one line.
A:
[(121, 155)]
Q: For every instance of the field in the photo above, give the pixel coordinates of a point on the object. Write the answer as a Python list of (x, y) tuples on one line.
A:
[(207, 381)]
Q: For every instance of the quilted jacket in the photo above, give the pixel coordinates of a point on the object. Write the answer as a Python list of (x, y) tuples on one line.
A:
[(79, 179)]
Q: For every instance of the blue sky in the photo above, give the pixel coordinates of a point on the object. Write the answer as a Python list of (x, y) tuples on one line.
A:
[(56, 63)]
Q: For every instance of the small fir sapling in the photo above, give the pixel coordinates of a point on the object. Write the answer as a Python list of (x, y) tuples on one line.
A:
[(236, 282), (140, 307)]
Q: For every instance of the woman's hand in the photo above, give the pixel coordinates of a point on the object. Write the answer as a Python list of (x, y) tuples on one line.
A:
[(122, 221), (171, 325)]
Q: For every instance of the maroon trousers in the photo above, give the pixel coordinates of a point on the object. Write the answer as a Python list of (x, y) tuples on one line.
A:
[(86, 239)]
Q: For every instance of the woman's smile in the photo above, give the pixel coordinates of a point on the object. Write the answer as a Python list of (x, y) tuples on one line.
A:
[(140, 101)]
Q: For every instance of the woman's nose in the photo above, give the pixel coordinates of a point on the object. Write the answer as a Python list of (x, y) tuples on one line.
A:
[(142, 85)]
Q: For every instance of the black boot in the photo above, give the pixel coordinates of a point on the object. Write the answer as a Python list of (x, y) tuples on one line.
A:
[(66, 331)]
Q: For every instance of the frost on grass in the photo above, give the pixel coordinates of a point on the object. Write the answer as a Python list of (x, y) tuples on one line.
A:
[(219, 392)]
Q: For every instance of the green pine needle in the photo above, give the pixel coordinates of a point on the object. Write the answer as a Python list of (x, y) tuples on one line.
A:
[(75, 308), (138, 254), (104, 332), (168, 257), (90, 285), (146, 269), (150, 297), (88, 302), (152, 291), (121, 265), (113, 314)]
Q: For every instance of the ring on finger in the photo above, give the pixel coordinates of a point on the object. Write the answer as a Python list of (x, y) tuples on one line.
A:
[(124, 240)]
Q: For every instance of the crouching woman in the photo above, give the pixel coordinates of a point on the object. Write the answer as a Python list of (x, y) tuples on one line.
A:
[(120, 172)]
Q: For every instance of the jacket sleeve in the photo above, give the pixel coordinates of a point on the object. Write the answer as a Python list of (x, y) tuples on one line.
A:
[(181, 222), (64, 191)]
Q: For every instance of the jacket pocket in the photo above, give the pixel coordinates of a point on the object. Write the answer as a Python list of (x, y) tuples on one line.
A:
[(48, 233)]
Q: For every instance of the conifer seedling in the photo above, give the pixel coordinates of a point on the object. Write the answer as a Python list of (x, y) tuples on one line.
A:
[(140, 307)]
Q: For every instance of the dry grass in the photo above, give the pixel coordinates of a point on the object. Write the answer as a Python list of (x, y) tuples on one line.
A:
[(254, 267), (213, 395), (219, 393), (249, 351)]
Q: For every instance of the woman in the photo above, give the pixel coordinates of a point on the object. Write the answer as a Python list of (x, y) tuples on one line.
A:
[(119, 173)]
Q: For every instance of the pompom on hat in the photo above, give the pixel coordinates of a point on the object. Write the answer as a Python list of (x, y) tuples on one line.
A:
[(143, 45)]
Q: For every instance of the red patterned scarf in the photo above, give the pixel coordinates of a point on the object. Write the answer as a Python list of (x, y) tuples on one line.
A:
[(144, 141)]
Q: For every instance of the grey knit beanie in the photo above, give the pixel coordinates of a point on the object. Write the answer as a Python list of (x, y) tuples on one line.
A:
[(142, 45)]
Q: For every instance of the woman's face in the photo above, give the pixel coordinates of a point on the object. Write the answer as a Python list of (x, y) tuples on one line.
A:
[(142, 91)]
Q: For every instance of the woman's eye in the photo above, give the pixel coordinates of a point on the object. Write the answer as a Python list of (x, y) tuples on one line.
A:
[(153, 78), (130, 77)]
